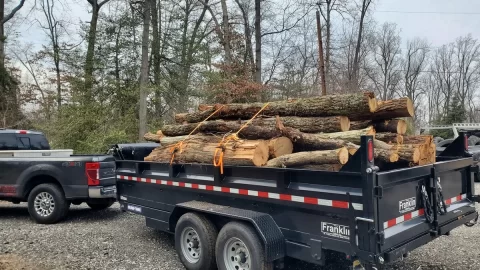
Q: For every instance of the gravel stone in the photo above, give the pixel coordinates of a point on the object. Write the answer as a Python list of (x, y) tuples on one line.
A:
[(111, 239)]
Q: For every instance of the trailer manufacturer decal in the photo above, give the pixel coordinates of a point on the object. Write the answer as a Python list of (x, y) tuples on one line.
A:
[(407, 205), (134, 208), (336, 230)]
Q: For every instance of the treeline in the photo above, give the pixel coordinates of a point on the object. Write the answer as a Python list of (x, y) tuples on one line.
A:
[(135, 64)]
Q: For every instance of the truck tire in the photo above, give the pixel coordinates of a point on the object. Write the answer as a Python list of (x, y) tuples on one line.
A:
[(238, 247), (195, 238), (47, 204), (100, 205)]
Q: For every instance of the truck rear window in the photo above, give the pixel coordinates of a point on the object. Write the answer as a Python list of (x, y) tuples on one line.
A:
[(8, 141)]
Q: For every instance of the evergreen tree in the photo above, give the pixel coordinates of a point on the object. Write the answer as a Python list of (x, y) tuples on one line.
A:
[(456, 112)]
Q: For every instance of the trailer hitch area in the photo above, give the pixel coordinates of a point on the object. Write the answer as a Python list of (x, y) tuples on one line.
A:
[(472, 222)]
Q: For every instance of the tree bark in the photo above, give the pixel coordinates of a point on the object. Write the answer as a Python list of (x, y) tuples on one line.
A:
[(394, 126), (152, 137), (411, 153), (89, 62), (241, 153), (353, 136), (331, 105), (279, 147), (384, 155), (258, 43), (222, 127), (418, 139), (144, 71), (226, 33), (402, 107), (310, 142), (155, 42), (391, 138), (304, 124), (354, 125), (356, 59), (337, 156)]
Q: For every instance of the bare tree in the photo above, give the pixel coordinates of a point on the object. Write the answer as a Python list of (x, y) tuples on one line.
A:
[(4, 19), (353, 76), (142, 129), (444, 70), (386, 74), (92, 36), (54, 29), (414, 63), (258, 43)]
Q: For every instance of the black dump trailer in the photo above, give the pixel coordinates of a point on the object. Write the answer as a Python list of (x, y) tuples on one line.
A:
[(254, 217)]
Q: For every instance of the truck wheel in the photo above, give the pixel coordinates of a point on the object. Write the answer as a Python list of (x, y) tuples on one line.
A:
[(195, 237), (238, 247), (47, 204), (100, 205)]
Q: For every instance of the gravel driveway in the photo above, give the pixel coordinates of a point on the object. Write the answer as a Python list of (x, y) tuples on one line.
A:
[(111, 239)]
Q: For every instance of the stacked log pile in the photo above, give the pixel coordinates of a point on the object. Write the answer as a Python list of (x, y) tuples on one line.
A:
[(319, 133)]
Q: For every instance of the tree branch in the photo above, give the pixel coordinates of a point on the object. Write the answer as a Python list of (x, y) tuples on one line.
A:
[(17, 8)]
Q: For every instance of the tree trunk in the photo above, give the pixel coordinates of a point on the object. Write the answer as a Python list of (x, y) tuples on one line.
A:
[(226, 33), (144, 71), (337, 156), (411, 153), (89, 62), (152, 137), (331, 105), (258, 43), (418, 139), (2, 37), (353, 136), (388, 156), (279, 147), (391, 138), (251, 132), (304, 124), (356, 59), (241, 153), (402, 107), (310, 142), (360, 124), (394, 126), (56, 58), (155, 43)]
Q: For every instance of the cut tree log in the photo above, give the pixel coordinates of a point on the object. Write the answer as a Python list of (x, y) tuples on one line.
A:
[(353, 136), (388, 156), (354, 125), (159, 133), (241, 153), (406, 152), (391, 138), (308, 124), (181, 118), (321, 167), (337, 156), (394, 126), (279, 147), (330, 105), (251, 132), (310, 142), (389, 109), (152, 137), (304, 124), (418, 139)]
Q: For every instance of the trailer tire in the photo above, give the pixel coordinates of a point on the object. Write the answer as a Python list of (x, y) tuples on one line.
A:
[(40, 201), (239, 247), (195, 237)]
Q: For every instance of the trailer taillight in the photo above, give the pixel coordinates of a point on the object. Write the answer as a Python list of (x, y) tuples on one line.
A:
[(465, 142), (92, 170), (370, 150)]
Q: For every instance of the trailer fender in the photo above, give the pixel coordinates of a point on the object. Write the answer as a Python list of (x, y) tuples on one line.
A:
[(264, 224)]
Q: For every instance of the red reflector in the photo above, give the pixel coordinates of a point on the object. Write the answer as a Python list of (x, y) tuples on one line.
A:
[(370, 150), (465, 142), (92, 170)]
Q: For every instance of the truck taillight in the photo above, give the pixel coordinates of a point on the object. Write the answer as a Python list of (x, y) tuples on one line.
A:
[(465, 142), (92, 170), (370, 150)]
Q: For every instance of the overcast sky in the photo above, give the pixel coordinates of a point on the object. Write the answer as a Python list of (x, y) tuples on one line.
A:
[(439, 21)]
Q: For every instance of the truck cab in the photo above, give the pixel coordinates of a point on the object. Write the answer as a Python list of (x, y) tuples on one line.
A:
[(51, 180)]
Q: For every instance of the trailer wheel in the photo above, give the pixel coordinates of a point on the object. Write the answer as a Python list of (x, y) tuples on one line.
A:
[(195, 238), (239, 248)]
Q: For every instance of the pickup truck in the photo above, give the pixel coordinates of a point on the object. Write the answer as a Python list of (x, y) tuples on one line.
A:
[(51, 180), (253, 217)]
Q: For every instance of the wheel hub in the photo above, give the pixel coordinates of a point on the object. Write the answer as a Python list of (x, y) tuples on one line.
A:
[(236, 255), (190, 245), (44, 204)]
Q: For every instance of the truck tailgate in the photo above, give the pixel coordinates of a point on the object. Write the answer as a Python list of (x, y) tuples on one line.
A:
[(408, 197)]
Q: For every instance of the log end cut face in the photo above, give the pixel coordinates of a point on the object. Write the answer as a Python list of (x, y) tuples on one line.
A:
[(344, 123), (260, 155)]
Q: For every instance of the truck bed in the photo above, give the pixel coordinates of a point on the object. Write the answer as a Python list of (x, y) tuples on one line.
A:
[(374, 216)]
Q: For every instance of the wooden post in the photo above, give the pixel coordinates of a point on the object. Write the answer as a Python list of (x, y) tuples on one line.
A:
[(321, 63)]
